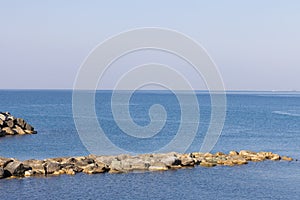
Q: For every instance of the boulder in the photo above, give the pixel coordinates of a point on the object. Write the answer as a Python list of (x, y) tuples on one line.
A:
[(1, 123), (30, 132), (19, 130), (16, 168), (207, 164), (29, 173), (140, 165), (275, 157), (116, 165), (95, 169), (171, 160), (246, 153), (70, 171), (8, 131), (197, 155), (158, 166), (29, 127), (186, 160), (2, 117), (5, 161), (219, 154), (228, 163), (35, 164), (9, 116), (105, 159), (84, 161), (51, 167), (233, 153), (286, 158), (2, 173), (20, 122), (238, 160), (10, 123)]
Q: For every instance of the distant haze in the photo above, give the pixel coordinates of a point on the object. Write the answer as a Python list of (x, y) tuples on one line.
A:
[(255, 44)]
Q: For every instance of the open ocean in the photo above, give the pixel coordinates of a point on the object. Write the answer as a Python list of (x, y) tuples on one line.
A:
[(257, 121)]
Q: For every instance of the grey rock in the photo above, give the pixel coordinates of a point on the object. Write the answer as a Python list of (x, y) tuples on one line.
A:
[(34, 164), (105, 159), (116, 165), (20, 122), (84, 161), (5, 161), (29, 127), (51, 167), (10, 123), (170, 160), (139, 164), (16, 168), (187, 161), (2, 172)]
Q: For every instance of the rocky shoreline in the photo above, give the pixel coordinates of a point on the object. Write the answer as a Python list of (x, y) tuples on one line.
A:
[(92, 164), (10, 125)]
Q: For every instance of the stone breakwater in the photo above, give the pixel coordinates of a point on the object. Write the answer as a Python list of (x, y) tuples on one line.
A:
[(93, 164), (10, 125)]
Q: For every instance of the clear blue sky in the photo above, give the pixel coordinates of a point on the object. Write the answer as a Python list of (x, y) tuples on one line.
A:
[(256, 44)]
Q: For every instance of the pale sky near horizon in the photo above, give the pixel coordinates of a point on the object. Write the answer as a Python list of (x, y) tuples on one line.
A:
[(255, 44)]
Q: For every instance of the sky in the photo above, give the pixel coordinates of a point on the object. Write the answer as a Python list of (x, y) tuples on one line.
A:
[(255, 44)]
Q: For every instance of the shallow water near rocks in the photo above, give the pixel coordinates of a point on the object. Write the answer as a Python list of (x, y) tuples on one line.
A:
[(255, 121)]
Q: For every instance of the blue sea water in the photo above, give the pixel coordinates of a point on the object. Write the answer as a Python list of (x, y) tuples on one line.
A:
[(257, 121)]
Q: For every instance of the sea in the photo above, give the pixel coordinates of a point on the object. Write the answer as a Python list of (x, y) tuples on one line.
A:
[(255, 121)]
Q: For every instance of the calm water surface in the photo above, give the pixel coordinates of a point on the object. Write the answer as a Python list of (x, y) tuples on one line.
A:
[(262, 121)]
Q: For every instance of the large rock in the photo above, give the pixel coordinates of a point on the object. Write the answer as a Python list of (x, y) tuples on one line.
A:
[(2, 117), (29, 127), (186, 160), (20, 122), (10, 123), (171, 160), (105, 159), (116, 165), (8, 131), (286, 158), (51, 167), (1, 123), (4, 173), (16, 168), (5, 161), (158, 166), (19, 130), (207, 164), (95, 169), (83, 161), (35, 164), (138, 164)]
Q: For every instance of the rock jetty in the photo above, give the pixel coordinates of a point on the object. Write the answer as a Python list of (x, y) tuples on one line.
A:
[(93, 164), (10, 125)]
